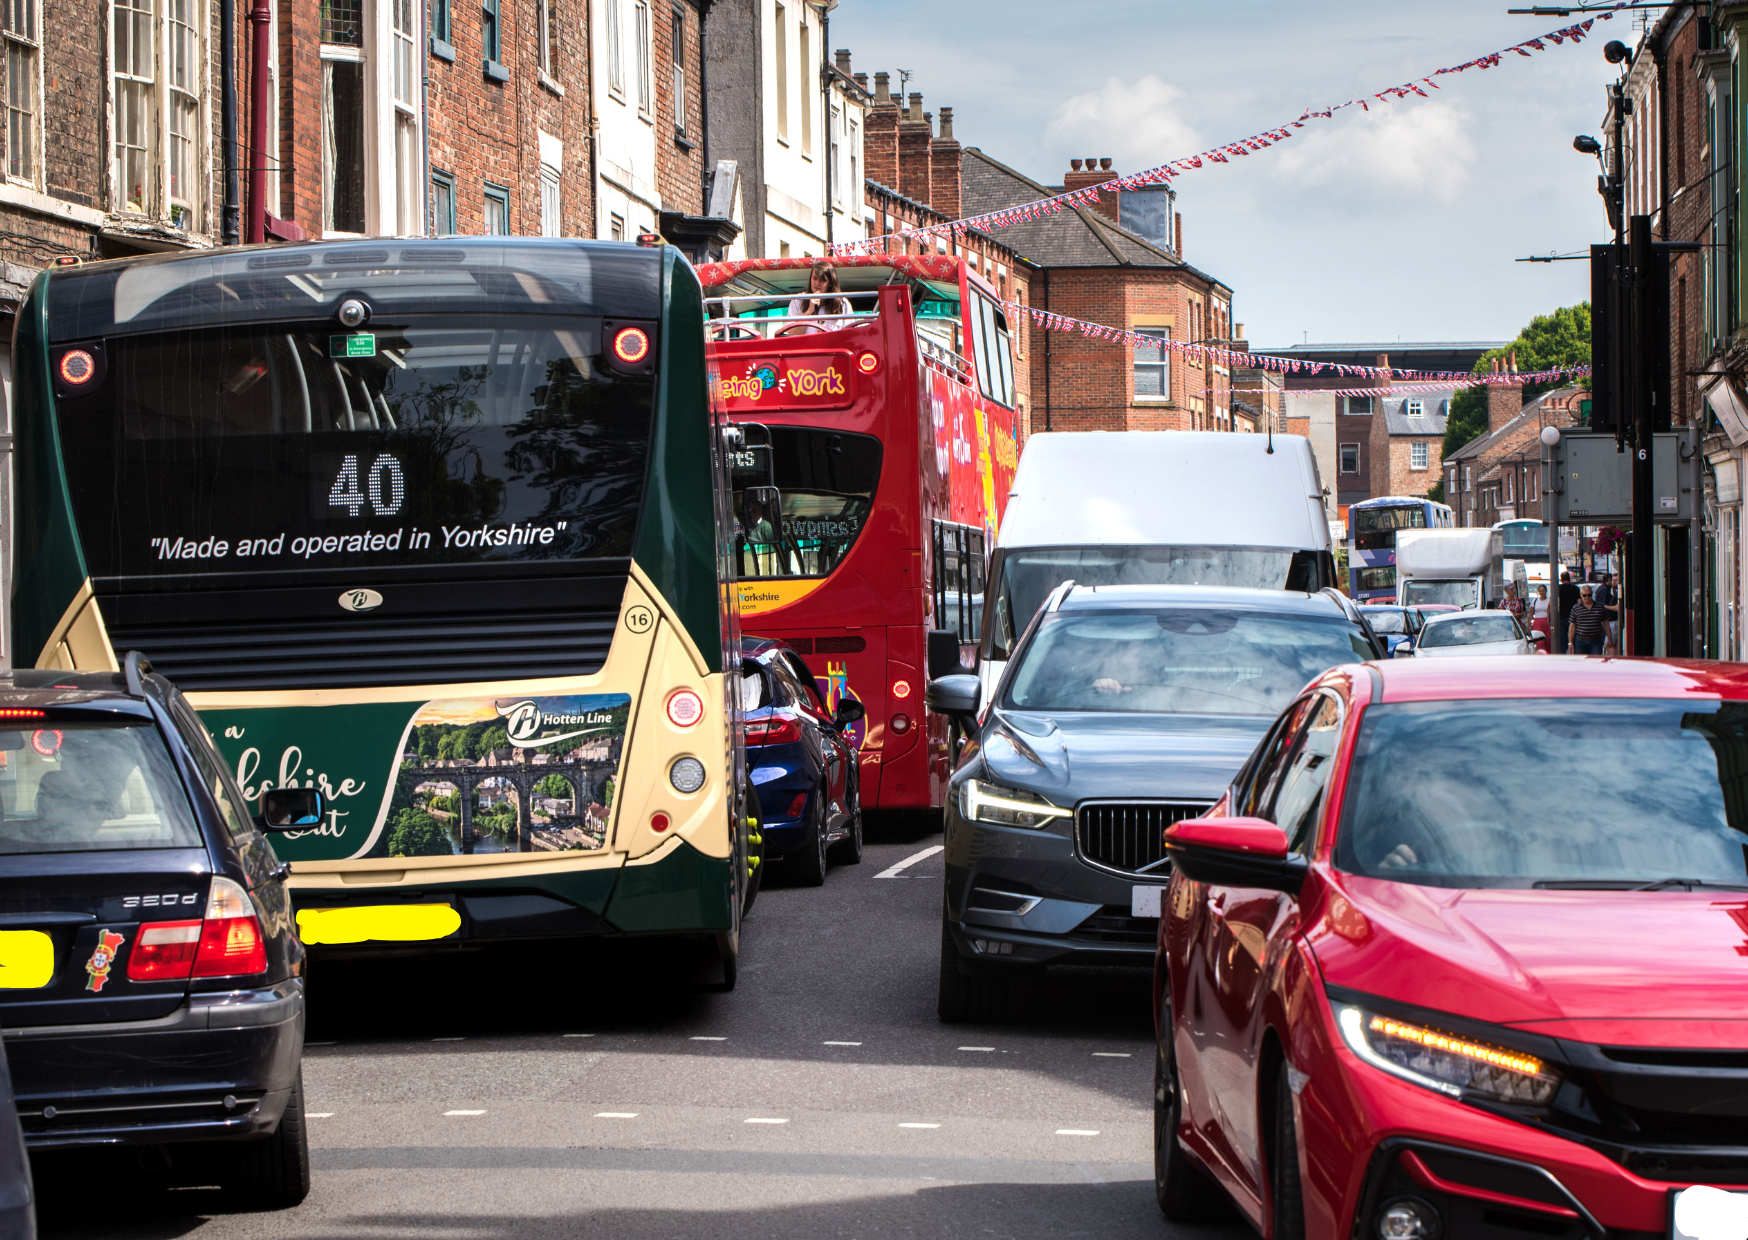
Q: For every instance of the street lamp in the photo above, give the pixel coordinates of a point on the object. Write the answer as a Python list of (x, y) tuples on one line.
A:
[(1550, 514)]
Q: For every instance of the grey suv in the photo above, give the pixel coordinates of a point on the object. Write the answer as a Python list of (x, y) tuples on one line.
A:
[(1123, 710)]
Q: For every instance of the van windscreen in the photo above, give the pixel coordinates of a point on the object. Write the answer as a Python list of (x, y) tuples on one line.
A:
[(1028, 575)]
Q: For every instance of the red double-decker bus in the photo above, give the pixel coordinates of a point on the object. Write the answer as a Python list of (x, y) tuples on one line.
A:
[(884, 439)]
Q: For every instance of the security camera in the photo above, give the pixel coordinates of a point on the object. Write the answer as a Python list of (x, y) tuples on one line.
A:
[(1616, 52)]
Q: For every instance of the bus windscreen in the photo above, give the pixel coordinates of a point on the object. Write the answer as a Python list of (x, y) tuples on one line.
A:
[(826, 480), (434, 440), (1375, 528), (1028, 575)]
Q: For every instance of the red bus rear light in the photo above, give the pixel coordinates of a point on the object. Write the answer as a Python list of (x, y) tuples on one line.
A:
[(900, 724), (164, 951), (867, 363), (658, 823), (631, 345), (231, 941), (777, 730), (22, 712)]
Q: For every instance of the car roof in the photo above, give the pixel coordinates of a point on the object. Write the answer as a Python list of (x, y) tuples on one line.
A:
[(46, 687), (1090, 598), (1514, 676), (1445, 617)]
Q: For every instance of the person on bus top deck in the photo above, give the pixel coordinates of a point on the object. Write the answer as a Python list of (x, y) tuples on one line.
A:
[(822, 279)]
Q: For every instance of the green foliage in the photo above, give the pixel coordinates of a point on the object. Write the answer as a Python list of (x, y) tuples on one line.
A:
[(555, 786), (1558, 339), (1436, 492), (414, 833)]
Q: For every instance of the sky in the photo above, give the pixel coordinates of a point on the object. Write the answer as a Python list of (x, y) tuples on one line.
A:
[(1398, 223)]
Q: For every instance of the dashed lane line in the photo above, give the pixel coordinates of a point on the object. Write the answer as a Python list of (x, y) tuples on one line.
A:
[(1077, 1132), (840, 1044), (895, 870), (615, 1114), (977, 1048), (764, 1120), (919, 1125), (447, 1113), (1112, 1055)]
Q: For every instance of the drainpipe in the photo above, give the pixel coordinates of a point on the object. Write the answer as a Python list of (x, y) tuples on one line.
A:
[(424, 54), (594, 123), (825, 98), (704, 100), (260, 20), (231, 222)]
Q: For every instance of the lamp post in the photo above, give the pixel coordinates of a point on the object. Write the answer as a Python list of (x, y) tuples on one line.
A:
[(1550, 519)]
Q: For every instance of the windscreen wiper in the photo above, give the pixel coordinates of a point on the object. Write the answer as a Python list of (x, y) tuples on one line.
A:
[(1663, 884), (1623, 884)]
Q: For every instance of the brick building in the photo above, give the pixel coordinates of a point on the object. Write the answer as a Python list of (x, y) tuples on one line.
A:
[(1087, 264), (1407, 442), (1497, 476), (1341, 427)]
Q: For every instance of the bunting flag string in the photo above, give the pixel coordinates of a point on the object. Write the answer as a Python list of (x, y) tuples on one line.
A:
[(1088, 195), (1396, 380)]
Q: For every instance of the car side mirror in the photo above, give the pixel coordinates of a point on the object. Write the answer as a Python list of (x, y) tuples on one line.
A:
[(959, 696), (1236, 852), (849, 710), (290, 809)]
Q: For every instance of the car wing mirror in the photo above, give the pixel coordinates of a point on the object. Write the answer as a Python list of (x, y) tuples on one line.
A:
[(1236, 852), (291, 809), (959, 696), (849, 710)]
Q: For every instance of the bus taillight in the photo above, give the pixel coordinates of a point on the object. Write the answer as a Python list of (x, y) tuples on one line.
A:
[(867, 363), (685, 708), (631, 345)]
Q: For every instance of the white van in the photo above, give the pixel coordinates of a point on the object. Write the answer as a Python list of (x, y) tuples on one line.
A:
[(1152, 508)]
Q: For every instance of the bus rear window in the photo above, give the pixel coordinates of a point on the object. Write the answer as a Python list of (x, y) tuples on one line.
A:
[(439, 440), (84, 787), (827, 481)]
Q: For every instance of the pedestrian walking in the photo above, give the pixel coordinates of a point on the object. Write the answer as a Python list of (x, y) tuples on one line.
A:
[(1511, 602), (1568, 594), (1587, 629), (1539, 614), (1610, 601)]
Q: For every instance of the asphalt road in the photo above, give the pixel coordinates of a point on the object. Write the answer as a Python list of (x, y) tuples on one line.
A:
[(567, 1095)]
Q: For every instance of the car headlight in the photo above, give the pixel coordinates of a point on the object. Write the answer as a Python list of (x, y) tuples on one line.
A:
[(1445, 1062), (1007, 807)]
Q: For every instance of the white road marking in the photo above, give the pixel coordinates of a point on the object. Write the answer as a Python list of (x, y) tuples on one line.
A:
[(893, 871), (919, 1125), (318, 1115), (615, 1114), (709, 1039), (766, 1121), (977, 1048), (579, 1035), (1077, 1132), (449, 1039), (1112, 1055), (840, 1044), (464, 1112)]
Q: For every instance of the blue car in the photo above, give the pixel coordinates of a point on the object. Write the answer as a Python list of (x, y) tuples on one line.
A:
[(1398, 626), (801, 762)]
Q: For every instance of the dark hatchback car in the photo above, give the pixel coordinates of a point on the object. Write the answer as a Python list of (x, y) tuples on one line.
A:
[(1124, 709), (151, 983), (802, 760)]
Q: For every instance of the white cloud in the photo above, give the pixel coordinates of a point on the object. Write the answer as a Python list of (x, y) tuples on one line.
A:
[(1139, 125), (1413, 151)]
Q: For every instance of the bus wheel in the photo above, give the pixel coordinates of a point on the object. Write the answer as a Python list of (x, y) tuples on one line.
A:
[(809, 860)]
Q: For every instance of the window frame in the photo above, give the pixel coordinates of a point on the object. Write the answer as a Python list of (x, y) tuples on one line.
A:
[(543, 33), (438, 21), (616, 49), (1414, 407), (677, 33), (1341, 458), (644, 33), (780, 62), (24, 45), (499, 194), (1419, 456), (1163, 366), (442, 223), (551, 201), (491, 32)]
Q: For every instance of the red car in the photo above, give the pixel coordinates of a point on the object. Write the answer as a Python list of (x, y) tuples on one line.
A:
[(1463, 953)]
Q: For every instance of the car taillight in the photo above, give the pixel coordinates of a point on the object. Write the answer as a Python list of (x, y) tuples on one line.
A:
[(164, 951), (231, 942), (776, 730)]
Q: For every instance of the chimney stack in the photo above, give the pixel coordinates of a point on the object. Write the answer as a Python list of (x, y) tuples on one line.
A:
[(1504, 400), (1177, 232), (880, 135), (842, 57), (862, 80), (944, 154), (915, 136), (1084, 172)]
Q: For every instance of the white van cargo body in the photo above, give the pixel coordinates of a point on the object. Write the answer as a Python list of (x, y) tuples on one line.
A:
[(1465, 567), (1153, 508)]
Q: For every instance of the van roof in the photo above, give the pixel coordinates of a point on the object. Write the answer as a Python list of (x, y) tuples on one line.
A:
[(1165, 488)]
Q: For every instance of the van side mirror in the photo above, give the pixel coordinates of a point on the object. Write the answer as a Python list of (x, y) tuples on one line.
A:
[(290, 809), (958, 696), (943, 654)]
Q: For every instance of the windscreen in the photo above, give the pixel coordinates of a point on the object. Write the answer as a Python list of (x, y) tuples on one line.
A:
[(827, 481), (1375, 528), (86, 787), (1526, 540), (1576, 792), (1389, 620), (1201, 661), (452, 439), (1477, 629), (1464, 594), (1029, 574)]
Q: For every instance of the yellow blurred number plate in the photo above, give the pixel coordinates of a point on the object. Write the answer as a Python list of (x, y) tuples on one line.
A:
[(27, 959), (379, 923)]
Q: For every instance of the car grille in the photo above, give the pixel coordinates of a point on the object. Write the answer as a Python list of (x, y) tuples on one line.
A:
[(1126, 835), (1113, 924)]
